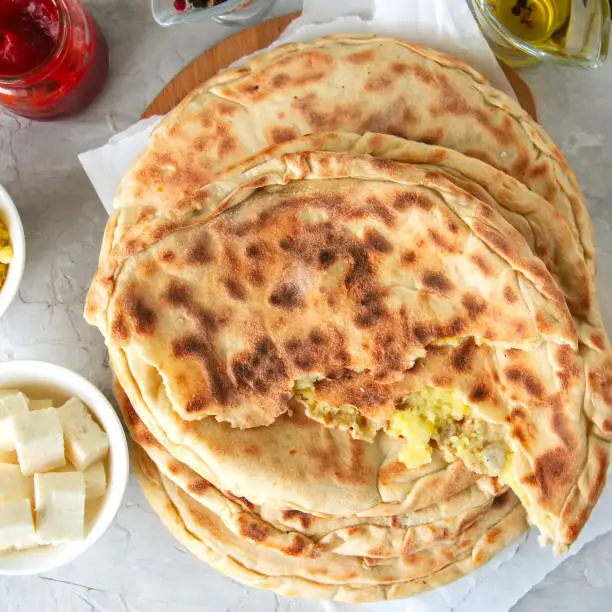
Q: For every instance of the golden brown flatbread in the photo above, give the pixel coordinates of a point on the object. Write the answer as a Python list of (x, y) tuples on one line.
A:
[(354, 83), (337, 290), (338, 577), (356, 301)]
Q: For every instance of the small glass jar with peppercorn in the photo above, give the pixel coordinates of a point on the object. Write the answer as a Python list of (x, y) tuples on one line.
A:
[(231, 12), (521, 32)]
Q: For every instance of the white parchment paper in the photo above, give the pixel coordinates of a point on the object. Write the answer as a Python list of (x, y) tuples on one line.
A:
[(446, 25)]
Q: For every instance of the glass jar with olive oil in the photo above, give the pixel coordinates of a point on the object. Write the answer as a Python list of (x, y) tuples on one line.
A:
[(574, 32)]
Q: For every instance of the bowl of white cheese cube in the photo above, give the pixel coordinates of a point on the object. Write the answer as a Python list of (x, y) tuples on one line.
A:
[(64, 466)]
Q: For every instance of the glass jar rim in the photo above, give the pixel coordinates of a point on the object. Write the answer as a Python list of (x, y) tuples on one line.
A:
[(34, 73)]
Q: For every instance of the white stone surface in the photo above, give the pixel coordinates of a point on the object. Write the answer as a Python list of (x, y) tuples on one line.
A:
[(138, 567)]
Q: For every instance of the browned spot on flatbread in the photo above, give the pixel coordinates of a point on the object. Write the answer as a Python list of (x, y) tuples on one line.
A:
[(398, 68), (397, 120), (280, 80), (436, 281), (142, 317), (474, 305), (520, 328), (297, 548), (361, 57), (521, 162), (198, 487), (479, 393), (377, 83), (509, 295), (494, 237), (260, 368), (235, 289), (597, 339), (440, 241), (434, 137), (408, 257), (226, 146), (481, 264), (376, 241), (167, 256), (162, 230), (451, 102), (286, 296), (253, 530), (381, 211), (390, 471), (255, 250), (537, 170), (493, 535), (600, 382), (521, 428), (146, 439), (119, 330), (282, 134), (326, 257), (370, 310), (250, 449), (304, 519), (561, 426), (453, 228), (569, 370), (461, 357), (526, 379), (424, 333), (551, 472), (227, 110), (200, 251), (598, 479), (573, 530)]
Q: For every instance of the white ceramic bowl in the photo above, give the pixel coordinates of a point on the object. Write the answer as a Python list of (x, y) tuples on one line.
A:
[(10, 217), (39, 379)]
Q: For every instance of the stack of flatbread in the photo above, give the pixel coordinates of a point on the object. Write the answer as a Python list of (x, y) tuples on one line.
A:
[(348, 296)]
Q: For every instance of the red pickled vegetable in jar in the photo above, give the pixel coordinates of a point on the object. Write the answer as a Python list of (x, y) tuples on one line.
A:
[(53, 57), (28, 32)]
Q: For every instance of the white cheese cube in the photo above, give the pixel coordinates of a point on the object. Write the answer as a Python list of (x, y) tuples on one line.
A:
[(60, 506), (13, 484), (95, 480), (12, 403), (40, 404), (39, 441), (16, 525), (86, 442)]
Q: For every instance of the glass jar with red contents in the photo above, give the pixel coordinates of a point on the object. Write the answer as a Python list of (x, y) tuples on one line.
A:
[(53, 57)]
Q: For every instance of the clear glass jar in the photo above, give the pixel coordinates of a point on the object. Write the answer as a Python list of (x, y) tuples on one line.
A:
[(572, 32), (64, 77), (230, 12)]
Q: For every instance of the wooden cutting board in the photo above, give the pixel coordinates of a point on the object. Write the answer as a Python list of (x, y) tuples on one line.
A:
[(252, 39)]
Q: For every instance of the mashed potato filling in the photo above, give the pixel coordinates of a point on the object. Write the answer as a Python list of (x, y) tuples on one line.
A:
[(435, 415), (427, 418), (345, 417)]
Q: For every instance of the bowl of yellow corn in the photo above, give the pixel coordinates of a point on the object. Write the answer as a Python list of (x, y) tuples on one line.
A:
[(12, 250)]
